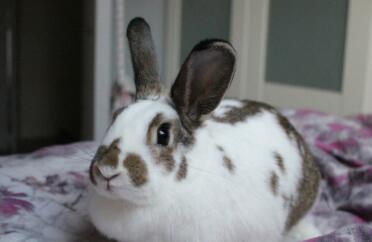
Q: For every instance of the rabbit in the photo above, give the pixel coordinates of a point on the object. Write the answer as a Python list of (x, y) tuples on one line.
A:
[(184, 165)]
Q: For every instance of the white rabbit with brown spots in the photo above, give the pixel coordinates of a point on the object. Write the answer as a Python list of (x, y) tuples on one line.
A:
[(186, 165)]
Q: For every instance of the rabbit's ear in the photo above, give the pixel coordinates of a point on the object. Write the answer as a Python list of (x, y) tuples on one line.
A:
[(203, 80), (145, 66)]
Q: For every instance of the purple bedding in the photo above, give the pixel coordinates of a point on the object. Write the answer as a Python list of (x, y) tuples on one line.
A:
[(42, 194)]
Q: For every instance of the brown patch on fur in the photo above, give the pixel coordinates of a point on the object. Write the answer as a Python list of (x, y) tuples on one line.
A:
[(307, 188), (92, 172), (286, 125), (280, 162), (228, 163), (226, 160), (274, 183), (154, 124), (182, 136), (182, 170), (136, 168), (240, 114), (165, 157), (100, 153), (108, 155), (162, 155)]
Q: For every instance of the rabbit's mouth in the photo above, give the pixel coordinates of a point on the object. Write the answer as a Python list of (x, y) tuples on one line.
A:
[(118, 186), (125, 194), (109, 184)]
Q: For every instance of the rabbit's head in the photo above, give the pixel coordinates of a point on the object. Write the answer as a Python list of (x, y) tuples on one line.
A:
[(144, 153)]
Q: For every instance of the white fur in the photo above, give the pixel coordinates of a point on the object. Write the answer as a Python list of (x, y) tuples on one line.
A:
[(211, 203), (303, 230)]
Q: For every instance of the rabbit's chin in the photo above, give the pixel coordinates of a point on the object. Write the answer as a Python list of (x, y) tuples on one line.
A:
[(125, 195)]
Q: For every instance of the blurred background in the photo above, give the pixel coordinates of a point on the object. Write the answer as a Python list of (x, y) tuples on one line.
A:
[(65, 66)]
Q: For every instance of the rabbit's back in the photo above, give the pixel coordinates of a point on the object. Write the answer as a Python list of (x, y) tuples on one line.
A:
[(267, 169)]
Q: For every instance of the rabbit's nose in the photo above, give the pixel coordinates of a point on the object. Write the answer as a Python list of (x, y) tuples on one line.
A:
[(108, 179), (111, 177)]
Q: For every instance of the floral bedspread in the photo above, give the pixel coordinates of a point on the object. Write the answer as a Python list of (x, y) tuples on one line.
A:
[(42, 194)]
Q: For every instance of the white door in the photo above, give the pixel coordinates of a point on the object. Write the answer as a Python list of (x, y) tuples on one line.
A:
[(304, 53)]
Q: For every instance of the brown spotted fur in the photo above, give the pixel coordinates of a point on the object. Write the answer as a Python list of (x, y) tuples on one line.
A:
[(182, 170), (307, 188), (227, 162), (280, 162), (240, 114), (108, 155), (274, 183), (137, 169)]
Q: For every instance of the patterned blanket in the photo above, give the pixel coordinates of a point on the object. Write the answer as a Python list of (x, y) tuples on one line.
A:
[(42, 194)]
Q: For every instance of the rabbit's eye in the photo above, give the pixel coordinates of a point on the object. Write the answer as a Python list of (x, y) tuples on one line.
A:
[(163, 134)]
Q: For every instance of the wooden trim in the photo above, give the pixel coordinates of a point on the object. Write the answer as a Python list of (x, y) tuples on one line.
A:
[(259, 45), (102, 67), (248, 36), (297, 97), (239, 39), (357, 65), (172, 40), (367, 102)]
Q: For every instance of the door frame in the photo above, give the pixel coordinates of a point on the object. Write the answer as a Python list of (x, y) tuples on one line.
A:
[(102, 76), (172, 40)]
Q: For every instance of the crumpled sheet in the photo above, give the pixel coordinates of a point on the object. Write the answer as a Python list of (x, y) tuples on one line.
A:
[(42, 194), (343, 151)]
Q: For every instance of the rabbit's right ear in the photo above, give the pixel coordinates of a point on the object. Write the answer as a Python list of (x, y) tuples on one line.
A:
[(145, 66), (203, 80)]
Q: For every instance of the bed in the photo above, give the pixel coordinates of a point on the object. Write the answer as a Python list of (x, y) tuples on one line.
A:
[(43, 194)]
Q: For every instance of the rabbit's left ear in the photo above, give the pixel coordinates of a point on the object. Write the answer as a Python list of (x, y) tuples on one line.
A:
[(203, 80)]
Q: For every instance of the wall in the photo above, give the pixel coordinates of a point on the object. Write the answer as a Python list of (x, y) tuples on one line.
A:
[(49, 67), (4, 138), (87, 69)]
